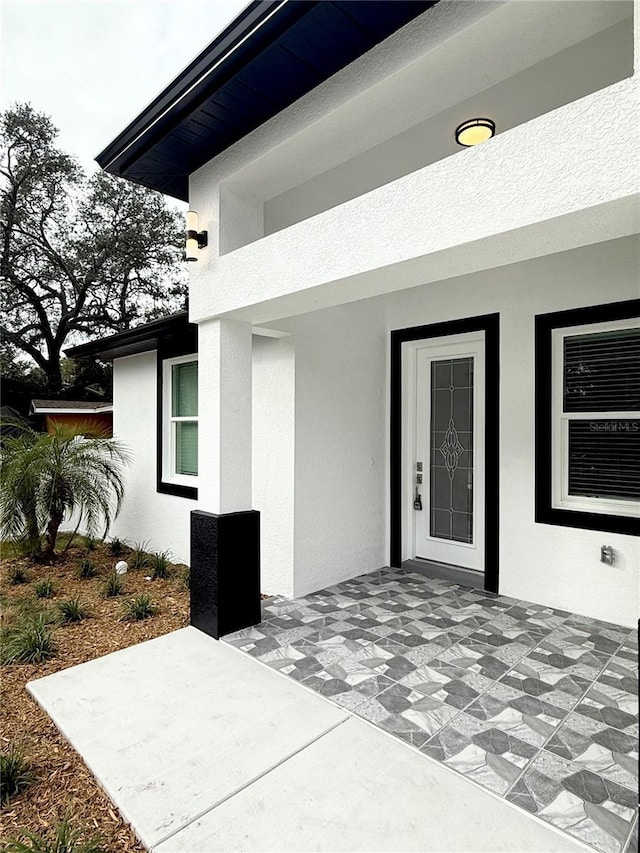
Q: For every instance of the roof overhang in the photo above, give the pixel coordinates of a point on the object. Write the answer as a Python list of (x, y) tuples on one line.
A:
[(144, 338), (51, 410), (272, 53)]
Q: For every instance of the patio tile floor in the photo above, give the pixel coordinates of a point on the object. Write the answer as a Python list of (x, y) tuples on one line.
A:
[(536, 704)]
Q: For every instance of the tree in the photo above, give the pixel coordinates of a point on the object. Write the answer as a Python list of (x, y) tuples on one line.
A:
[(47, 478), (79, 255)]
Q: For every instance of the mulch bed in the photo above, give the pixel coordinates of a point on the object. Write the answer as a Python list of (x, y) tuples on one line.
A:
[(63, 784)]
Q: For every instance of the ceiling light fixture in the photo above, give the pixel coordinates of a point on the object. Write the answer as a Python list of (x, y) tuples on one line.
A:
[(474, 131)]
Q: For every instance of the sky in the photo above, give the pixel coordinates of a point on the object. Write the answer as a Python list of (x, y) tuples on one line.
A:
[(93, 65)]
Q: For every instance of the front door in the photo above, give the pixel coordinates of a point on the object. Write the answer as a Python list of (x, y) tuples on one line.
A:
[(448, 469)]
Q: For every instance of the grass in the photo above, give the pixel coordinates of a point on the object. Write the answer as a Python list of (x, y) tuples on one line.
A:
[(160, 565), (113, 586), (29, 642), (116, 547), (138, 608), (18, 575), (15, 773), (62, 838), (87, 570), (186, 578), (140, 558), (44, 589), (72, 610)]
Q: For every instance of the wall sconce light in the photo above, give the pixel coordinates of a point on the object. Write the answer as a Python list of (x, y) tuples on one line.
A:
[(195, 240), (474, 131)]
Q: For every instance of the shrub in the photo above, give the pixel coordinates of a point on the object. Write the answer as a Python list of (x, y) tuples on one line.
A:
[(90, 544), (160, 565), (44, 588), (29, 642), (45, 477), (113, 586), (71, 610), (186, 578), (138, 608), (140, 557), (87, 570), (17, 575), (15, 774), (116, 547), (62, 838)]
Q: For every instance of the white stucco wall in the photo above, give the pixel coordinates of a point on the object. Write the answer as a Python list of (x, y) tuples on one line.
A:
[(340, 446), (498, 201), (341, 526), (163, 520), (445, 219), (273, 455), (146, 516), (569, 75)]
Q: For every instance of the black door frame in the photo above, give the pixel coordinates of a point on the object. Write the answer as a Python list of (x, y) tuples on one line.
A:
[(490, 325)]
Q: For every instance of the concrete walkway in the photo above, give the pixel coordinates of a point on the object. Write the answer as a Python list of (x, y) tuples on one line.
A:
[(203, 749)]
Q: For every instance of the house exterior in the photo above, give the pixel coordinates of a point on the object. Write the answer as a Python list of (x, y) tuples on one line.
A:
[(396, 348), (73, 413)]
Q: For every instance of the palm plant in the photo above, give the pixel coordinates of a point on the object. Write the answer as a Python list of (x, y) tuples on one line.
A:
[(44, 478)]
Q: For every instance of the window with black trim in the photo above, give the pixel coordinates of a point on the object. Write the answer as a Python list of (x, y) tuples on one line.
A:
[(589, 415), (180, 421)]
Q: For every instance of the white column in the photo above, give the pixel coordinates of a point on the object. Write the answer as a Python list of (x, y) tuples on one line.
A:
[(224, 416), (636, 38)]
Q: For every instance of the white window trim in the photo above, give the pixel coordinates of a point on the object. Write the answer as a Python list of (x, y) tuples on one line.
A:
[(560, 497), (169, 474)]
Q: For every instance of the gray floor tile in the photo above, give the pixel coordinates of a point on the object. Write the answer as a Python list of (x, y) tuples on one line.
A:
[(477, 658), (537, 678), (632, 843), (595, 746), (446, 683), (481, 751), (576, 800), (609, 705), (407, 713), (530, 718)]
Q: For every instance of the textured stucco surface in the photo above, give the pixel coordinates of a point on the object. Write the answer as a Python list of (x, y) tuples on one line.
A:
[(273, 458), (573, 73), (540, 172), (146, 516)]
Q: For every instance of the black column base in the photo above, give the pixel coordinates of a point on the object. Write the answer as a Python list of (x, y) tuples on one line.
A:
[(225, 571)]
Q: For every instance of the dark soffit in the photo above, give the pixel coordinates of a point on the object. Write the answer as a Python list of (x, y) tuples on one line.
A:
[(270, 55)]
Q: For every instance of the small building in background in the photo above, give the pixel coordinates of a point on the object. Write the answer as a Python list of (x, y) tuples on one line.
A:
[(52, 413)]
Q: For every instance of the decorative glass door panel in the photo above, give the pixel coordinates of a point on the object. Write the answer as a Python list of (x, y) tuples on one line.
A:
[(451, 443), (447, 478)]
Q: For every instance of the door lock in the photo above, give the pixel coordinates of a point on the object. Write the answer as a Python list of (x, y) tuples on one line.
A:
[(417, 503)]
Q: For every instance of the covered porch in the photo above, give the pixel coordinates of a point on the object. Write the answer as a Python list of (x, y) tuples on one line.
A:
[(326, 423)]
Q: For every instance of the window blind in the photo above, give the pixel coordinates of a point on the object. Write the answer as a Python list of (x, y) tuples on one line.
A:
[(604, 458), (602, 372)]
